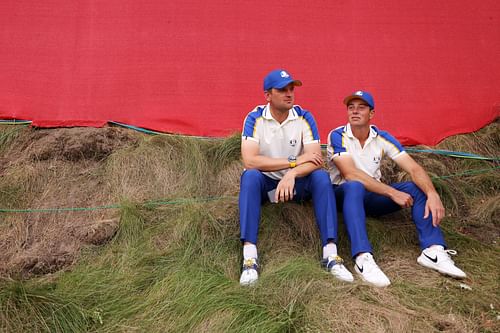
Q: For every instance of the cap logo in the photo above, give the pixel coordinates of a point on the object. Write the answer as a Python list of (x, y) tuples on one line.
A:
[(284, 74), (359, 93)]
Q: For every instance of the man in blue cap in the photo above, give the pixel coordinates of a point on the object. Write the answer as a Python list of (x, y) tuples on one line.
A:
[(354, 155), (281, 154)]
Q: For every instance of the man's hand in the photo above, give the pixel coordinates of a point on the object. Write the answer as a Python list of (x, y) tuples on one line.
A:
[(284, 190), (401, 198), (435, 207), (311, 156)]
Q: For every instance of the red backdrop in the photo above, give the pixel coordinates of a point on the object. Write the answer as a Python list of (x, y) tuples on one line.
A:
[(196, 67)]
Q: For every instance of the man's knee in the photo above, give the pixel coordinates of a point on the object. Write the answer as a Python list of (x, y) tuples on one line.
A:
[(250, 178), (412, 189), (320, 178), (353, 187)]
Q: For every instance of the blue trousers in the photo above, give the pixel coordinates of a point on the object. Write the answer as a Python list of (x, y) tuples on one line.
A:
[(254, 188), (355, 203)]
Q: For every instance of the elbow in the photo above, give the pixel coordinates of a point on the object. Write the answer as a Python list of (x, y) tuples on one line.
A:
[(354, 177), (350, 177), (248, 164)]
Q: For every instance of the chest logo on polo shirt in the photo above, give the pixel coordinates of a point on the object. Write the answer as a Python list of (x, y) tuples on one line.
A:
[(376, 159), (293, 142)]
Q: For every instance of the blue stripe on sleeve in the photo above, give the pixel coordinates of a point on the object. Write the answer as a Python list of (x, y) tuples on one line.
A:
[(388, 137), (336, 140), (251, 121), (308, 117)]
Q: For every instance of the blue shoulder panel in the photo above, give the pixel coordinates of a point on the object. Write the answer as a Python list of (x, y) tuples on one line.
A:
[(388, 137), (308, 117), (337, 140), (251, 121)]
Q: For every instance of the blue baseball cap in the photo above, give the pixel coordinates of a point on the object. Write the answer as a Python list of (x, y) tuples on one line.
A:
[(364, 95), (279, 78)]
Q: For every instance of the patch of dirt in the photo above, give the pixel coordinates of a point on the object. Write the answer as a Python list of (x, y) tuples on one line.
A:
[(56, 168), (97, 232), (485, 233), (76, 144)]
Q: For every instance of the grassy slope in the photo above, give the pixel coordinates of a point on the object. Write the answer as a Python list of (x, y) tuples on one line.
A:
[(175, 267)]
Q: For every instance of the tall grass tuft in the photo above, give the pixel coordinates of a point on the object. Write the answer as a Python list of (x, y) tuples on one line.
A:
[(131, 224), (26, 307), (224, 152), (487, 209), (8, 133)]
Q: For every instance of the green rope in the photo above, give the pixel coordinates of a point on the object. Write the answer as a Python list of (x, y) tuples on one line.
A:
[(64, 209), (151, 203), (467, 173), (448, 153), (15, 122), (151, 132), (323, 146), (182, 201), (452, 154)]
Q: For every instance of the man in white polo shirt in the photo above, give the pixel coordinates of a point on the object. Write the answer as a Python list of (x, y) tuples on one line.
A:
[(281, 154), (354, 155)]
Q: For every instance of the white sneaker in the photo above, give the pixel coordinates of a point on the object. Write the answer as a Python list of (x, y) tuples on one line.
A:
[(369, 271), (335, 265), (250, 272), (436, 257)]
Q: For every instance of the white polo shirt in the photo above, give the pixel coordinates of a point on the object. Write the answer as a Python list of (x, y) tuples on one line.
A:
[(280, 140), (341, 141)]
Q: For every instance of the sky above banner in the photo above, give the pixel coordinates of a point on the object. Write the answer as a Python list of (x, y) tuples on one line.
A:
[(196, 67)]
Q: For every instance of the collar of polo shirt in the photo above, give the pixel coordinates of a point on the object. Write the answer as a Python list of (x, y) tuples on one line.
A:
[(267, 113)]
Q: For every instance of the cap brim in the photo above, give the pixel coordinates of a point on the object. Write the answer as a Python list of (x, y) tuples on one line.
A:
[(350, 98), (296, 83)]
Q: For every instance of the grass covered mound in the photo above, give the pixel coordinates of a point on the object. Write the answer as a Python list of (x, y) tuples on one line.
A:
[(148, 242)]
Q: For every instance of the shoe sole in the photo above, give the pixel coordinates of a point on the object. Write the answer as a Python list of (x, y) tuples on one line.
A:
[(248, 284), (426, 264), (341, 279), (371, 283)]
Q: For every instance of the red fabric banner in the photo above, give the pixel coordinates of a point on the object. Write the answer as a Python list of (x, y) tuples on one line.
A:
[(196, 67)]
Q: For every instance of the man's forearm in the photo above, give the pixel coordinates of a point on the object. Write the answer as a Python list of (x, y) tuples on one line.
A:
[(370, 184), (304, 169), (311, 159), (423, 181), (266, 163)]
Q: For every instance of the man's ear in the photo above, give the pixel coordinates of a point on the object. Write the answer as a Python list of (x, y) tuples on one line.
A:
[(372, 113), (267, 95)]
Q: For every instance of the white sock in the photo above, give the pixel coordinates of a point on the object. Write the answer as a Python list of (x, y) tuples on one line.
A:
[(249, 251), (329, 249)]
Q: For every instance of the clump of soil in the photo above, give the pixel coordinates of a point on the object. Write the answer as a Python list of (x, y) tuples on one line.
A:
[(76, 144), (56, 168)]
